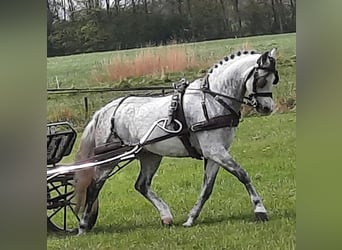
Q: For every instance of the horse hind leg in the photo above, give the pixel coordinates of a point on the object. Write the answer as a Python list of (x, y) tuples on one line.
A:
[(89, 214), (210, 172), (149, 164), (227, 162)]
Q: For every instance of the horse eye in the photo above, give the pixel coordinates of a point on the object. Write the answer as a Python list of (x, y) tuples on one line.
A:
[(261, 82)]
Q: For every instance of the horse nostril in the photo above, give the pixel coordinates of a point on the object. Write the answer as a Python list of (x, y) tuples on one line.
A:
[(266, 109)]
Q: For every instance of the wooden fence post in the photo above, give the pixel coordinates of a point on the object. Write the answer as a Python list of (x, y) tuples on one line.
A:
[(86, 107)]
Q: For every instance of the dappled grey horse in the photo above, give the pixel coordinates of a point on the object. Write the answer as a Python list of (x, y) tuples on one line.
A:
[(210, 113)]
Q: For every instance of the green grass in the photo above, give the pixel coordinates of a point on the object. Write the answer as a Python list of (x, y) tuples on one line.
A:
[(264, 146), (78, 70)]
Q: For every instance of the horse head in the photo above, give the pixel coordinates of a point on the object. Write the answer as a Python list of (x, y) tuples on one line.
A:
[(245, 73), (260, 81)]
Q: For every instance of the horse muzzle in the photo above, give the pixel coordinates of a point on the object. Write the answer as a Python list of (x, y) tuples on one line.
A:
[(264, 109)]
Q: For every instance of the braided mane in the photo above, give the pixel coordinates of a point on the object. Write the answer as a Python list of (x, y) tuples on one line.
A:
[(230, 58)]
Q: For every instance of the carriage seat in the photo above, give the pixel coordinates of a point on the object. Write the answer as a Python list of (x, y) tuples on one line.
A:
[(61, 137)]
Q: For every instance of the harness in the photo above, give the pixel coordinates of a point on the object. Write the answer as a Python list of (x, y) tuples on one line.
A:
[(176, 111), (233, 118)]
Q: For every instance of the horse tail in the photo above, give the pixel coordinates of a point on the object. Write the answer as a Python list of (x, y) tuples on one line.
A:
[(84, 177)]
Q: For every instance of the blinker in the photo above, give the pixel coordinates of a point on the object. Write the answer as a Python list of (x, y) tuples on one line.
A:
[(276, 80)]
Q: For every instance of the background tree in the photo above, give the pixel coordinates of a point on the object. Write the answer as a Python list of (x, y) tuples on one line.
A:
[(79, 26)]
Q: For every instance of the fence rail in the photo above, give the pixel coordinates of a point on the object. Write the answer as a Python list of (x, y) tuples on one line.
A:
[(89, 102), (99, 90)]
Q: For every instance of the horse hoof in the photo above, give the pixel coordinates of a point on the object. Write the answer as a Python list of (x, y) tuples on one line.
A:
[(166, 221), (187, 224), (261, 217), (80, 233)]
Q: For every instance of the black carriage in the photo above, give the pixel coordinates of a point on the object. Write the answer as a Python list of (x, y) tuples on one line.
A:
[(61, 136), (61, 216)]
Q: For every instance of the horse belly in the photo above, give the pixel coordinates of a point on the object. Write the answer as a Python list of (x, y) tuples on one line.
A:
[(172, 147)]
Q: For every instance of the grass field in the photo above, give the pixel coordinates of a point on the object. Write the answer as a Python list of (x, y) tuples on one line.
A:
[(77, 70), (264, 146), (81, 71)]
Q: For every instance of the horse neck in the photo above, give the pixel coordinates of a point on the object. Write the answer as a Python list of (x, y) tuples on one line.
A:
[(229, 79)]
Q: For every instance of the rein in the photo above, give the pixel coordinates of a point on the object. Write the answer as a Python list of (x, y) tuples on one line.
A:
[(206, 89), (247, 100)]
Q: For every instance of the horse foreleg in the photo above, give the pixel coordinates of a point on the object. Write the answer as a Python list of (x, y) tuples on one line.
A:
[(227, 162), (210, 173), (149, 163)]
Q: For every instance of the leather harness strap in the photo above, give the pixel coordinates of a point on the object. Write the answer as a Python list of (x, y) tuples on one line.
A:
[(184, 135), (230, 120), (215, 123)]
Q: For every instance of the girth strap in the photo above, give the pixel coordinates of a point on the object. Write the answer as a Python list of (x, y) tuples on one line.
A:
[(215, 123), (185, 134)]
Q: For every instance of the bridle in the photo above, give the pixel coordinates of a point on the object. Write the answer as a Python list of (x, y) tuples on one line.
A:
[(249, 100), (261, 81)]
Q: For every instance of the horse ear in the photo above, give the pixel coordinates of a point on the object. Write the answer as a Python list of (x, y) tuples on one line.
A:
[(263, 58), (273, 53)]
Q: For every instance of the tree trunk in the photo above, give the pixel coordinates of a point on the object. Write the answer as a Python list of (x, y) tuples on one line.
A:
[(71, 5), (236, 6), (179, 6), (145, 7), (188, 5), (117, 6), (89, 4), (64, 10), (293, 11), (107, 6), (54, 10), (133, 6), (71, 8), (49, 16), (275, 19), (224, 15), (96, 4), (280, 16)]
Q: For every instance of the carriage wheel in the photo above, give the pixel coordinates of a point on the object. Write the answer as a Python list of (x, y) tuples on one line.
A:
[(61, 216)]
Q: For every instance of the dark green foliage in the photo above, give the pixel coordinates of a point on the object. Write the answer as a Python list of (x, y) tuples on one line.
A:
[(160, 22)]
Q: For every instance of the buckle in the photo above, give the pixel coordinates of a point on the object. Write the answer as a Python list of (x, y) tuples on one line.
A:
[(196, 127), (173, 105), (192, 128)]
